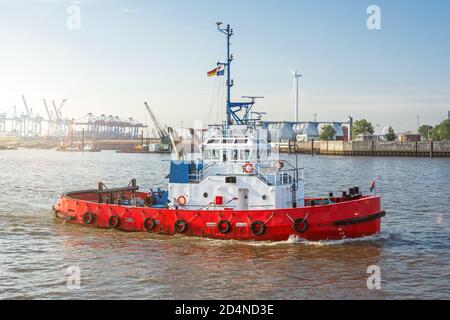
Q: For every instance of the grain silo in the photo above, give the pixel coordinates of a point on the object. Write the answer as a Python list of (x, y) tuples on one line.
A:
[(339, 133), (298, 127), (309, 132), (281, 132)]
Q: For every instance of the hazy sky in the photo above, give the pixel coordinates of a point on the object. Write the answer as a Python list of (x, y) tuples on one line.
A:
[(127, 52)]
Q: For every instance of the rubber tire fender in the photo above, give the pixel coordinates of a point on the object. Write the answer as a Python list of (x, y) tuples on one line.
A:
[(258, 228), (149, 224), (224, 226), (300, 225), (88, 217), (114, 222), (180, 226)]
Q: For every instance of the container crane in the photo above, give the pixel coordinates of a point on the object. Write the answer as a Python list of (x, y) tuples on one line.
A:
[(30, 121), (26, 107), (162, 133), (50, 119), (56, 111), (61, 105), (48, 111), (60, 123)]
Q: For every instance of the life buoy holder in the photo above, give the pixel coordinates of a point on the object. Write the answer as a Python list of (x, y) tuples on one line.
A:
[(224, 226), (114, 222), (182, 200), (258, 228), (279, 165), (88, 217), (300, 225), (180, 226), (248, 168), (149, 224)]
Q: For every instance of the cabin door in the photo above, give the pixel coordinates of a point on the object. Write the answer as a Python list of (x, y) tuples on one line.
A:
[(243, 199)]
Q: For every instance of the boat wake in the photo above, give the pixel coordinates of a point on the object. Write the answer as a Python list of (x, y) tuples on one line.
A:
[(370, 239), (378, 239), (294, 240)]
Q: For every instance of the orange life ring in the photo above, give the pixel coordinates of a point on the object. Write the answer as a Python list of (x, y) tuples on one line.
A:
[(248, 168), (182, 200)]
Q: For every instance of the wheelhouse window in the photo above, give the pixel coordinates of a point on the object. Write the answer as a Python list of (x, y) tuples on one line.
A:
[(246, 155), (215, 155), (235, 155), (207, 155)]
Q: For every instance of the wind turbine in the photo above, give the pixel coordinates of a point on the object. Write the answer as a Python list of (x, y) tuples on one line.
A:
[(296, 84)]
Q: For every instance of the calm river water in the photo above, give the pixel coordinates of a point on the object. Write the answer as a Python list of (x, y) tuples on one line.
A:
[(413, 251)]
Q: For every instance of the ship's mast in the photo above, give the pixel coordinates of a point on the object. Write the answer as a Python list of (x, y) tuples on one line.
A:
[(228, 32), (237, 112)]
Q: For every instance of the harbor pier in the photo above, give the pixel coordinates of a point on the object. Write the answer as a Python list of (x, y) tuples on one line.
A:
[(429, 149)]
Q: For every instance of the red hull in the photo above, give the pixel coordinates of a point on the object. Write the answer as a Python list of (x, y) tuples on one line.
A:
[(345, 219)]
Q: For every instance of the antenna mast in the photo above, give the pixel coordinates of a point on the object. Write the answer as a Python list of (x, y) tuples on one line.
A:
[(233, 108), (228, 32)]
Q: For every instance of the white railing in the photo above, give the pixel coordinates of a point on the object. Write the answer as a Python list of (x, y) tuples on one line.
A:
[(238, 132), (275, 177), (268, 174)]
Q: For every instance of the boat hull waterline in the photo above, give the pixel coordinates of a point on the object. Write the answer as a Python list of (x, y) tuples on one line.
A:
[(343, 219)]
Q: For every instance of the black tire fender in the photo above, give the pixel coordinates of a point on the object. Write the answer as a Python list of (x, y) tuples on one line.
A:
[(224, 226), (149, 224), (114, 222), (88, 217), (180, 226), (258, 228), (300, 225)]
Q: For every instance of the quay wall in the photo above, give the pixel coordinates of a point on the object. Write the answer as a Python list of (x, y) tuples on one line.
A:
[(432, 149)]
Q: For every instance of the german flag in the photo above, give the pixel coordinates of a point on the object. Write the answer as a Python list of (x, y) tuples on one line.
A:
[(213, 72)]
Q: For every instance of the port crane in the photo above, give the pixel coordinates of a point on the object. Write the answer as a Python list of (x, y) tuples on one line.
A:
[(162, 132), (60, 123), (50, 119), (32, 124)]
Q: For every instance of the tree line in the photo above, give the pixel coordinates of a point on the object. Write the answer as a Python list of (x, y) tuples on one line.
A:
[(438, 133)]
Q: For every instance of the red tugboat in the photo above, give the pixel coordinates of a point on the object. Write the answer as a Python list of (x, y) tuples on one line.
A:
[(227, 182)]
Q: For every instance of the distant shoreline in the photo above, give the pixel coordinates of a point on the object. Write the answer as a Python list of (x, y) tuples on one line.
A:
[(418, 149)]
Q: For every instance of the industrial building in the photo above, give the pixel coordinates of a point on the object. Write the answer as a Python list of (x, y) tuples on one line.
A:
[(305, 131), (409, 137), (365, 137)]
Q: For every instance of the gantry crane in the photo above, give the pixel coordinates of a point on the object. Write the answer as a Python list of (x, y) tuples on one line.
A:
[(50, 119)]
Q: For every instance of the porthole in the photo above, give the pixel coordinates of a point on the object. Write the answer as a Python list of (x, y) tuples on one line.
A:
[(205, 195), (264, 197)]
